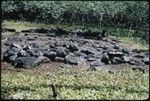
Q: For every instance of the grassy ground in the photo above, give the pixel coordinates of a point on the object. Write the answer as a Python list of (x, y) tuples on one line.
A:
[(74, 83)]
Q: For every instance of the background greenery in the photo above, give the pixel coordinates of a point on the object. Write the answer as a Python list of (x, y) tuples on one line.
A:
[(131, 15)]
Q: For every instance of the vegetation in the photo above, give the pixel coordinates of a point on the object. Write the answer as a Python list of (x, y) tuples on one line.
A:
[(86, 84), (131, 15)]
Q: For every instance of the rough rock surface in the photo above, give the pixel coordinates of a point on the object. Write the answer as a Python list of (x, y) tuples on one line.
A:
[(31, 50)]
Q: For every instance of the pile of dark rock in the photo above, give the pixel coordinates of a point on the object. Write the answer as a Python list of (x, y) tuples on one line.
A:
[(28, 51)]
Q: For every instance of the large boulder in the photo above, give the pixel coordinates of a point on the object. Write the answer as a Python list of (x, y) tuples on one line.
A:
[(25, 62), (29, 62)]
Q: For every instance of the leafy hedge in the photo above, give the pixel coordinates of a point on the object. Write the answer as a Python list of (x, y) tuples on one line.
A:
[(102, 13)]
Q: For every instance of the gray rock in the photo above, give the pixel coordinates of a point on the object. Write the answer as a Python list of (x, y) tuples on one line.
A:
[(139, 55), (127, 51), (126, 58), (96, 63), (73, 47), (25, 62), (137, 63), (61, 52), (72, 59), (146, 60), (78, 53), (91, 58), (16, 45), (96, 45), (116, 46), (29, 62), (51, 55), (105, 59), (59, 59), (117, 60), (26, 47), (9, 52), (31, 38), (12, 58), (35, 52), (88, 50), (116, 54), (34, 45), (41, 59), (23, 53)]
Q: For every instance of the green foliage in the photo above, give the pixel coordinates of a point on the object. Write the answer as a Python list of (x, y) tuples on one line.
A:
[(98, 12)]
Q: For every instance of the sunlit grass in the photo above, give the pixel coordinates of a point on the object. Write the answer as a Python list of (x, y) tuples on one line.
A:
[(72, 84)]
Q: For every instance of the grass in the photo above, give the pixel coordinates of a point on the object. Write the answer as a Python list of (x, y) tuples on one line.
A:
[(72, 84)]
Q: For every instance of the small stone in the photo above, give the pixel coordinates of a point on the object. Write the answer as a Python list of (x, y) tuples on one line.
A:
[(146, 60)]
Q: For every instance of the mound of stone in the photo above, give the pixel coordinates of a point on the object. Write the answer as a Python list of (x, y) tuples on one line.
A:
[(32, 50)]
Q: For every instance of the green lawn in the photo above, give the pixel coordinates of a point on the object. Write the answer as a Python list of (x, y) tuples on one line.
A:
[(72, 84)]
